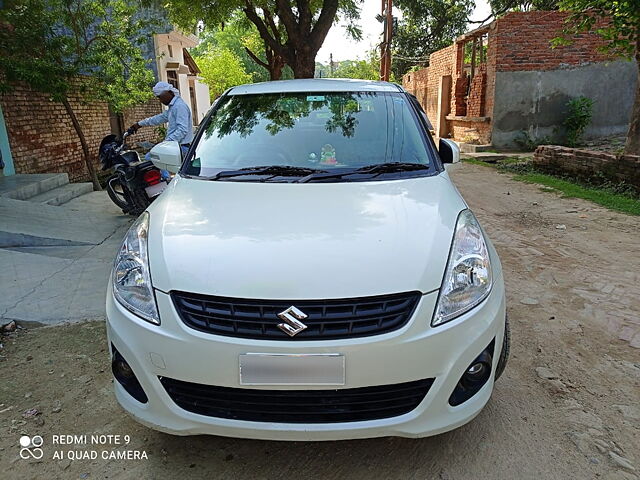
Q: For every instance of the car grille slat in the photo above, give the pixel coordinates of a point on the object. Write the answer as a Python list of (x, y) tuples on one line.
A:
[(326, 319), (298, 406)]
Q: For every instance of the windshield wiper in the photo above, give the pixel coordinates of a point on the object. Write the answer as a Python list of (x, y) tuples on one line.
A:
[(393, 167), (272, 170), (377, 169)]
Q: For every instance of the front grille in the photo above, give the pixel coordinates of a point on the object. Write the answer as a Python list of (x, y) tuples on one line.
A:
[(327, 319), (298, 406)]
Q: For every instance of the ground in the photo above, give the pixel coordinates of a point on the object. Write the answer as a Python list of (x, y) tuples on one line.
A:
[(566, 407)]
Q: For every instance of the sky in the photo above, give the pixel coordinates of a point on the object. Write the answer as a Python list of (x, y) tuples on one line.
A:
[(342, 48)]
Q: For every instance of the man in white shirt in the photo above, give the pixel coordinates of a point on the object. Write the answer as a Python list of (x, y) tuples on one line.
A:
[(178, 116)]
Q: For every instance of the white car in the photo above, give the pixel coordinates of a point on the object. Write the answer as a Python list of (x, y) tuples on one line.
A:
[(311, 273)]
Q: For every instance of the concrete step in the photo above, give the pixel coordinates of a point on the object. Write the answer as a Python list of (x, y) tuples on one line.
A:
[(471, 148), (495, 157), (63, 194), (26, 186)]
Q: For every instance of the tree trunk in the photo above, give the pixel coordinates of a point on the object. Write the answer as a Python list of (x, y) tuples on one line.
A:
[(632, 146), (83, 143), (275, 69), (305, 65)]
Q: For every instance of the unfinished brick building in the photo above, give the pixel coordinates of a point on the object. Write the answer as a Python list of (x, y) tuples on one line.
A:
[(503, 81)]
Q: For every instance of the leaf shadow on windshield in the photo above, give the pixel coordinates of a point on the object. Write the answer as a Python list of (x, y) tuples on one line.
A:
[(241, 114)]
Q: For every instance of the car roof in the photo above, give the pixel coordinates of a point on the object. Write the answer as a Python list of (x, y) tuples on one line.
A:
[(315, 85)]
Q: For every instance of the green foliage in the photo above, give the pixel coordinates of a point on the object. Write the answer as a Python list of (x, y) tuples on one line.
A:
[(617, 22), (237, 36), (529, 143), (578, 119), (161, 131), (51, 42), (499, 7), (368, 69), (617, 196), (427, 26), (468, 52), (221, 69), (570, 189)]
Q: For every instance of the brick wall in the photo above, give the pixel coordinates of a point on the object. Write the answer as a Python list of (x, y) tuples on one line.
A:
[(589, 165), (460, 88), (523, 43), (416, 83), (441, 63), (42, 137), (132, 115), (519, 41), (476, 100), (471, 130)]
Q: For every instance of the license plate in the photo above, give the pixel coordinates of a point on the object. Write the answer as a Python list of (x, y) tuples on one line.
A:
[(291, 369), (155, 190)]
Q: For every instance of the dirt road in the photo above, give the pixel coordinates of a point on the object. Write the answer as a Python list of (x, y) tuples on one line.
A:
[(567, 407)]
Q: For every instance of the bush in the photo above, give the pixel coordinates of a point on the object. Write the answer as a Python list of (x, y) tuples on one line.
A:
[(529, 143), (578, 119)]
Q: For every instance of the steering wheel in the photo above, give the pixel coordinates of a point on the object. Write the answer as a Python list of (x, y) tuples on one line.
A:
[(263, 155)]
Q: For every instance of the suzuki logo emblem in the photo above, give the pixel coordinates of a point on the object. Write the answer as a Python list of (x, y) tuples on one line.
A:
[(292, 324)]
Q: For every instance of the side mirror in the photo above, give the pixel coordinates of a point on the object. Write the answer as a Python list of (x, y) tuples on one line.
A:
[(449, 151), (167, 156)]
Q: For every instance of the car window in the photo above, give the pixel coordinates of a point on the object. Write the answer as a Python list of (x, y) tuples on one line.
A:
[(325, 131)]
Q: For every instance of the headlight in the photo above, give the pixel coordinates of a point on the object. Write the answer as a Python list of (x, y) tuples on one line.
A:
[(467, 280), (131, 278)]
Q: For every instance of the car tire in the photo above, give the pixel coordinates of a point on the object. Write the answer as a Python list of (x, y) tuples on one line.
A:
[(506, 347)]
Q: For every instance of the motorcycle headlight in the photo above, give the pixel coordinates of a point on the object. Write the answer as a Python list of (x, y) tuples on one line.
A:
[(468, 277), (131, 277)]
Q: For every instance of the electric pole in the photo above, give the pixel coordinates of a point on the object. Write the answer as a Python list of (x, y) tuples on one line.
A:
[(385, 46)]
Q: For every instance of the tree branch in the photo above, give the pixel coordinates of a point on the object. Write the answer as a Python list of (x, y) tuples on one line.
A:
[(272, 24), (253, 16), (304, 15), (323, 24), (255, 58), (285, 13), (504, 9)]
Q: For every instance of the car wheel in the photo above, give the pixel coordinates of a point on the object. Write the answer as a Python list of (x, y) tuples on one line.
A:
[(506, 346)]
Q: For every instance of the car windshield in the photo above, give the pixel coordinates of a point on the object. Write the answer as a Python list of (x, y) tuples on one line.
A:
[(277, 137)]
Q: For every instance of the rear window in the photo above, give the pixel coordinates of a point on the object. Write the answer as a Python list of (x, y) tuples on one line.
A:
[(336, 130)]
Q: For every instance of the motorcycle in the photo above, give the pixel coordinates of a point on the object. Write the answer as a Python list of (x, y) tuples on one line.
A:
[(134, 184)]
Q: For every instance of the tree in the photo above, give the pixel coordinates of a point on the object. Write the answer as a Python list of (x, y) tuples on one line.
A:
[(86, 47), (362, 69), (498, 7), (368, 69), (618, 24), (242, 38), (427, 26), (221, 69), (305, 25)]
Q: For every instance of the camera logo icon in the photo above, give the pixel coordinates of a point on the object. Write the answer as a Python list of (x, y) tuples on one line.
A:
[(30, 447)]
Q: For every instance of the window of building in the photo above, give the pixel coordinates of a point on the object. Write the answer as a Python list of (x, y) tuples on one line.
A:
[(172, 78)]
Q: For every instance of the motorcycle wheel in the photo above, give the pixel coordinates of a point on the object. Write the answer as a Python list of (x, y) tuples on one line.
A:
[(116, 193), (141, 202)]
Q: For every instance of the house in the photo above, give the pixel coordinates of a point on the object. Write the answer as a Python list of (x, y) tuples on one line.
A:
[(503, 82), (36, 135)]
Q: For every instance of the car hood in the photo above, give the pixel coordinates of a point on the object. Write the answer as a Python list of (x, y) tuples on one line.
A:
[(302, 241)]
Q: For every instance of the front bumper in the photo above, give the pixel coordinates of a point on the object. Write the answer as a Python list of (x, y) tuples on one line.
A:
[(415, 352)]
